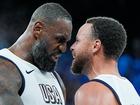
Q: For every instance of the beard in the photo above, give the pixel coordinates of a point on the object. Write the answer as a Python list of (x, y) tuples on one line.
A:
[(42, 58), (79, 64)]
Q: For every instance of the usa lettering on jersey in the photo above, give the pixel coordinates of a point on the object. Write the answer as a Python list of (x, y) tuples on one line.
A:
[(50, 94)]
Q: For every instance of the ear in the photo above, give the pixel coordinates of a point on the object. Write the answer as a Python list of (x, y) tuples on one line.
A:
[(96, 45), (37, 29)]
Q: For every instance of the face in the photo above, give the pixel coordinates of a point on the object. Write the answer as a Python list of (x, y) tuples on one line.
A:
[(81, 49), (51, 44)]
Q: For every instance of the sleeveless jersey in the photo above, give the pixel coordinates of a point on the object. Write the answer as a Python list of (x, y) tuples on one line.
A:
[(121, 87), (38, 87)]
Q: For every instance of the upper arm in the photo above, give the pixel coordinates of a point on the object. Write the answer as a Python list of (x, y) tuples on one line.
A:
[(94, 94), (10, 83)]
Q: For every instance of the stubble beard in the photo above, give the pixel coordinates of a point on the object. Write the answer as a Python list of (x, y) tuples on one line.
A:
[(79, 64)]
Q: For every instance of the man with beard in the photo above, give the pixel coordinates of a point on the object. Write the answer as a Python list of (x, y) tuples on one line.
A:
[(99, 44), (27, 75)]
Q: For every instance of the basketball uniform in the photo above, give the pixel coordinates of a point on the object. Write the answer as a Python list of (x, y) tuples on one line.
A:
[(121, 87), (38, 87)]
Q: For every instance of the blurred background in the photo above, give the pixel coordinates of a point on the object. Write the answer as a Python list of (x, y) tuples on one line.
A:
[(15, 15)]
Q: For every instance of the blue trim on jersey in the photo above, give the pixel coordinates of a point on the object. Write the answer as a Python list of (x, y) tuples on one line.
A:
[(22, 77), (107, 85)]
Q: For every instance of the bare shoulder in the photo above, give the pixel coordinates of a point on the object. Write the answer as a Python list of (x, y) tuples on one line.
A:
[(94, 93), (9, 71), (10, 83)]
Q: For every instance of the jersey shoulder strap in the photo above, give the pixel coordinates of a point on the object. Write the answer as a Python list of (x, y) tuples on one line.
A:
[(60, 82)]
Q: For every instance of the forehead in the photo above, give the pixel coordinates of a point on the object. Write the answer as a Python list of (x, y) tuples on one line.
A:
[(61, 27), (85, 30)]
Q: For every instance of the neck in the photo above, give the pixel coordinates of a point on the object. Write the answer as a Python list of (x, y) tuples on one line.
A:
[(103, 66), (22, 47)]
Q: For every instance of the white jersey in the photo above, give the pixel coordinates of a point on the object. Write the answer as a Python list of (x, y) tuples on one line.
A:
[(122, 89), (40, 88)]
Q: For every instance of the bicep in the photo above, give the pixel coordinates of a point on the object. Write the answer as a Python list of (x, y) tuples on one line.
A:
[(8, 93), (9, 85)]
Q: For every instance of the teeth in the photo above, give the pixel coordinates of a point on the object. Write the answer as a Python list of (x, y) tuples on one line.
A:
[(73, 55)]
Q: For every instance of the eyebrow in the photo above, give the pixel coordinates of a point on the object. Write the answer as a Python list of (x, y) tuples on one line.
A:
[(66, 36)]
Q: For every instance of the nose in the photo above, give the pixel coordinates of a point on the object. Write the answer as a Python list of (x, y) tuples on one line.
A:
[(72, 47), (63, 47)]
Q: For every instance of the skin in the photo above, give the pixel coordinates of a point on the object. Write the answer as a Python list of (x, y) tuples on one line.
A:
[(88, 57), (23, 48)]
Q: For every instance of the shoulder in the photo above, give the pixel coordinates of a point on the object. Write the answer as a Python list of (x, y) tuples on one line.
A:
[(9, 75), (10, 83), (94, 93), (92, 89), (7, 66)]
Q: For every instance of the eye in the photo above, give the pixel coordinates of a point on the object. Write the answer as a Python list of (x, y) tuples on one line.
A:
[(61, 39)]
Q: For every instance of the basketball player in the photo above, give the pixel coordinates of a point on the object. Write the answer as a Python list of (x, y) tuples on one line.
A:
[(27, 75), (99, 44)]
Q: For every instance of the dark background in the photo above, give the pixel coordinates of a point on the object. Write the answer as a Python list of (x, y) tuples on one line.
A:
[(15, 16)]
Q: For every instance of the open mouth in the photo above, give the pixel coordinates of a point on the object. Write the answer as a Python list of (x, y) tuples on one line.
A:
[(73, 55)]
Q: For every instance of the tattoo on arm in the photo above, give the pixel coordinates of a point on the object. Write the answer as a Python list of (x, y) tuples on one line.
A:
[(10, 83)]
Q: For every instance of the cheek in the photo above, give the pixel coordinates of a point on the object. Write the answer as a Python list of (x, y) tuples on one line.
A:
[(80, 52), (84, 51), (82, 47), (50, 45)]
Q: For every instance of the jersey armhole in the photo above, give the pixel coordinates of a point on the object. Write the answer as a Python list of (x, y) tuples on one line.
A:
[(110, 88), (22, 77), (60, 80)]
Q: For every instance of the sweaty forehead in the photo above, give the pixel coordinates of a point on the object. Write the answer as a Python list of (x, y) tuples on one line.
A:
[(85, 30)]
